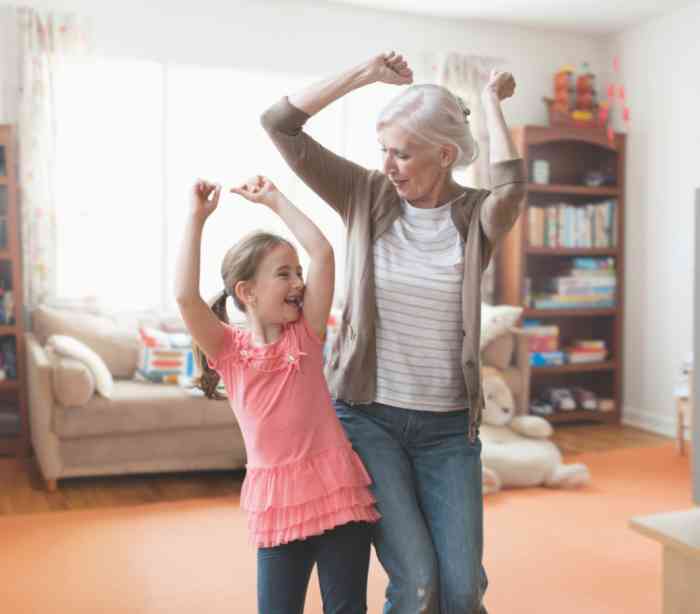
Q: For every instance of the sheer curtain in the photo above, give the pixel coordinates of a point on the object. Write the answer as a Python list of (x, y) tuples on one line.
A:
[(466, 76), (46, 40)]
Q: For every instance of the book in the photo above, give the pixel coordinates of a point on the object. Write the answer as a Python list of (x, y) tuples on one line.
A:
[(546, 359), (580, 357)]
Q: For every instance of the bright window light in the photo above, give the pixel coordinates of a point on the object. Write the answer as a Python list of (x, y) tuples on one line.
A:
[(132, 137)]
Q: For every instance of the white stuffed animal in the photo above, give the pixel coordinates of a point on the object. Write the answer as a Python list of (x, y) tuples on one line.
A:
[(516, 450)]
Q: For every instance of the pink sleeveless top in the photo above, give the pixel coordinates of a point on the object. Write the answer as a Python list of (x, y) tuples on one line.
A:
[(302, 475)]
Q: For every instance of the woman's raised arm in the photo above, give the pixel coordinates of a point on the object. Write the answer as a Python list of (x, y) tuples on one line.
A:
[(503, 205), (331, 176)]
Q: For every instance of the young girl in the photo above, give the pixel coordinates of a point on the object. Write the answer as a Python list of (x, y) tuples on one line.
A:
[(306, 491)]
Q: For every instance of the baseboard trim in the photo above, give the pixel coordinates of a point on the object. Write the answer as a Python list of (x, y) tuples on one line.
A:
[(649, 421)]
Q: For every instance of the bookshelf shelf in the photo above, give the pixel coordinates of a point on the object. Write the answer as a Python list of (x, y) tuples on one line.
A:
[(569, 313), (581, 415), (571, 251), (566, 222), (586, 367), (572, 190)]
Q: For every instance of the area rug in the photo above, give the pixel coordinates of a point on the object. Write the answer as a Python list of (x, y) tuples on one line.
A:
[(546, 551)]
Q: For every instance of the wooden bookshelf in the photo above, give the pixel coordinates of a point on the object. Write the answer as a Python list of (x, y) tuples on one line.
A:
[(570, 152), (13, 401)]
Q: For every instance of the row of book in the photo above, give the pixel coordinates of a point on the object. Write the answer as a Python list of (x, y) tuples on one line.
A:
[(588, 283), (545, 350), (566, 225)]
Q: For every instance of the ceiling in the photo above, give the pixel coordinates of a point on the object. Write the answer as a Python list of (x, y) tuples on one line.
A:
[(591, 17)]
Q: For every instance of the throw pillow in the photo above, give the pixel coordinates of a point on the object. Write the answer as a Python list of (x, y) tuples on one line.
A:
[(165, 357), (496, 320), (73, 382), (69, 347)]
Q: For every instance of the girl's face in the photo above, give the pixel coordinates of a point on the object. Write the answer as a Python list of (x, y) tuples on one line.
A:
[(278, 287), (417, 170)]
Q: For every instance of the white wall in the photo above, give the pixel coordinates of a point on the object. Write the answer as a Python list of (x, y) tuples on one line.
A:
[(660, 63), (317, 38)]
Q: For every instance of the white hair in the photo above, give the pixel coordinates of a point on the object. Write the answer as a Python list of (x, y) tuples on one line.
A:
[(434, 115)]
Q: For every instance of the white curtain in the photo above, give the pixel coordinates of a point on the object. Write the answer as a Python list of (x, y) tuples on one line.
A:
[(466, 76), (45, 39)]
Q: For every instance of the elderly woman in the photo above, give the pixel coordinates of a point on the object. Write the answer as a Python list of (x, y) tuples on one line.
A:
[(404, 369)]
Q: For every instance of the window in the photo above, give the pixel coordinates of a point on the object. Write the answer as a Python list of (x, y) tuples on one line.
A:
[(130, 146), (109, 182)]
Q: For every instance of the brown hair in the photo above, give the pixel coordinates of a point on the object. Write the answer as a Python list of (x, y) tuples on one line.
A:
[(240, 263)]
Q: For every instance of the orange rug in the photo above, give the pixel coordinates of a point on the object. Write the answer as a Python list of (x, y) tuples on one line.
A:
[(546, 551)]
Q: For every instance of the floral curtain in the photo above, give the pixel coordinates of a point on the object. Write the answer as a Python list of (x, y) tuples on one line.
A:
[(45, 39), (466, 76)]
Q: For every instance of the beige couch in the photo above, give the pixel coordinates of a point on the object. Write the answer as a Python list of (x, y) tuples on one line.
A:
[(146, 427), (143, 427)]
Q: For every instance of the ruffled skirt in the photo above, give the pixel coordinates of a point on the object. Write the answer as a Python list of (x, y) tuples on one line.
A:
[(307, 497)]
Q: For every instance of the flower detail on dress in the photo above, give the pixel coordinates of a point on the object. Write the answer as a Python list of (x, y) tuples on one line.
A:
[(273, 357)]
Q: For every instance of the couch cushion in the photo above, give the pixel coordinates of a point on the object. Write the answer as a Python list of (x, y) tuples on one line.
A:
[(118, 347), (141, 407), (73, 383)]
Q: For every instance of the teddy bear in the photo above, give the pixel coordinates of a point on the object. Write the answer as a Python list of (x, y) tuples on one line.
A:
[(516, 450)]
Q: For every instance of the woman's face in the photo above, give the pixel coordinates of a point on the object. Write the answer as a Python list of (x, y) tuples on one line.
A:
[(417, 170)]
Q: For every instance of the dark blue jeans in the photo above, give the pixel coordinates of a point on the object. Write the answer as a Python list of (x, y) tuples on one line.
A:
[(427, 481), (342, 556)]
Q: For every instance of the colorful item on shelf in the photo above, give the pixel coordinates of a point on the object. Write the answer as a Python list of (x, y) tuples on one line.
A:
[(546, 359), (540, 171), (575, 99)]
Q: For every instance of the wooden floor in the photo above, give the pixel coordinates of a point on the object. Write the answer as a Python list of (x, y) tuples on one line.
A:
[(22, 490)]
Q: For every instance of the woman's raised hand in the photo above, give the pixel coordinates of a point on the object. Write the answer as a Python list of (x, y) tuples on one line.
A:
[(258, 189), (501, 85), (390, 68), (204, 198)]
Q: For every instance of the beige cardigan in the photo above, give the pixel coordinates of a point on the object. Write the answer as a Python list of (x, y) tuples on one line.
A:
[(368, 204)]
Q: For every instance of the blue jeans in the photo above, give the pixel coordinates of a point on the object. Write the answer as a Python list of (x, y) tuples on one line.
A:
[(427, 481), (342, 556)]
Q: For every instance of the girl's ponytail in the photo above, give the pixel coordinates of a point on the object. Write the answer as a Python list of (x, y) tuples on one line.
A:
[(209, 379)]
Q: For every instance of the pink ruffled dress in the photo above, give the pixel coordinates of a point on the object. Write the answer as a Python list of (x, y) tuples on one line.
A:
[(303, 477)]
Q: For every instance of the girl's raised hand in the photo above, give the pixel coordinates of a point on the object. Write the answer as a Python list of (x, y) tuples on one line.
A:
[(500, 84), (258, 189), (204, 198), (390, 68)]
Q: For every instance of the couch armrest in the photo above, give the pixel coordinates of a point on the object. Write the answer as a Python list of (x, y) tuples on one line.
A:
[(41, 406), (522, 361)]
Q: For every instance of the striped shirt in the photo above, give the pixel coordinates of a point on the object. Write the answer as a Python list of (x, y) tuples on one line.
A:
[(418, 269)]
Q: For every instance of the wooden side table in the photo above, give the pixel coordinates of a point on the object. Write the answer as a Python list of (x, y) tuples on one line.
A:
[(679, 534)]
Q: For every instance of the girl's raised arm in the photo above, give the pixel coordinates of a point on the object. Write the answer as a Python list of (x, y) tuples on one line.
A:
[(320, 279), (206, 329)]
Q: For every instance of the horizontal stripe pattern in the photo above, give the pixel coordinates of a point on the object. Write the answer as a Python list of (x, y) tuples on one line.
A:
[(418, 269)]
